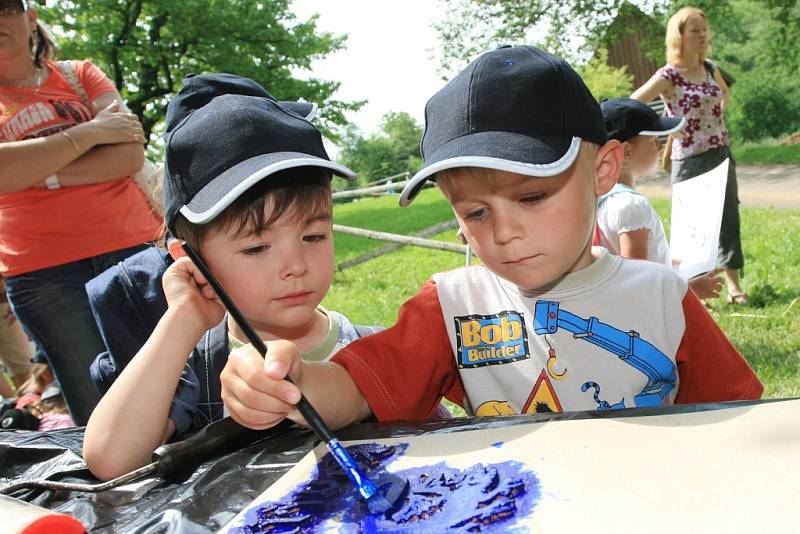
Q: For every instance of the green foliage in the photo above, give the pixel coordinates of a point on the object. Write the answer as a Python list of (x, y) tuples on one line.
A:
[(756, 43), (765, 332), (603, 80), (393, 150), (569, 29), (147, 47), (767, 153), (764, 106)]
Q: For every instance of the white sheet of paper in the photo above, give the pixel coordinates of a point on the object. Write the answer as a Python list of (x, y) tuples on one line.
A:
[(729, 470), (696, 220)]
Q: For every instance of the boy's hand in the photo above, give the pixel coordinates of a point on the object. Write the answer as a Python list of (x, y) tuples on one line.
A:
[(707, 286), (256, 391), (188, 292)]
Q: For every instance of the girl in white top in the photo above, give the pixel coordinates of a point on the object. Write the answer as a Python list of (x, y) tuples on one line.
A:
[(627, 224)]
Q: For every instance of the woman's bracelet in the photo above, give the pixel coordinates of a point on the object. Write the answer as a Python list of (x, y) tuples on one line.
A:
[(71, 140)]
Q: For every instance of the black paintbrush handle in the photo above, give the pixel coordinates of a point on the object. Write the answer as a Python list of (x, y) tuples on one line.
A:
[(305, 408)]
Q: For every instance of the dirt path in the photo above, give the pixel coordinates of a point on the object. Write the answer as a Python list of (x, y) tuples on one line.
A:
[(777, 186)]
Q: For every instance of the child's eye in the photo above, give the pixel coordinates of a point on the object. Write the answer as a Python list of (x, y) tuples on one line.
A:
[(252, 251), (532, 199), (475, 215), (315, 238)]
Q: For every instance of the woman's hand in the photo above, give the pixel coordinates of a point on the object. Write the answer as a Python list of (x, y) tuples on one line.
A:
[(113, 125), (189, 294)]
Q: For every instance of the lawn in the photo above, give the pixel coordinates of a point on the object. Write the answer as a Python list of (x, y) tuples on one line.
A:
[(769, 152), (767, 331)]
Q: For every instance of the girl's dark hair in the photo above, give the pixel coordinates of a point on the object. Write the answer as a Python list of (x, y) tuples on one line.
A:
[(301, 193), (42, 45)]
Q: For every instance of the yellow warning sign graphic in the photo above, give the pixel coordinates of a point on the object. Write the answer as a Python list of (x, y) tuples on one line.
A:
[(543, 398)]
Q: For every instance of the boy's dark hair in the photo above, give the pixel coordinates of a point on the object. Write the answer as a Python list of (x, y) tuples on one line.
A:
[(300, 193)]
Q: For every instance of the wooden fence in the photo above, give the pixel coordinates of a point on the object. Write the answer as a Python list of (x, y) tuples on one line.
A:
[(418, 239)]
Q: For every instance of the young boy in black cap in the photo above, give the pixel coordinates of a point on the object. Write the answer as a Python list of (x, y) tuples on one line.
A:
[(518, 146), (627, 224), (247, 185)]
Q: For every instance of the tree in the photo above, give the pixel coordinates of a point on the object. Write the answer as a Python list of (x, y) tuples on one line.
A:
[(147, 47), (395, 149), (755, 41), (603, 80), (568, 28)]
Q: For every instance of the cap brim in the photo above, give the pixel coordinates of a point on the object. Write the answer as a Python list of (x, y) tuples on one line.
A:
[(307, 110), (543, 155), (223, 190), (664, 126)]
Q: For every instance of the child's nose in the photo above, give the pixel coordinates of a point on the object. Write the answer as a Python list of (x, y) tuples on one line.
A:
[(294, 265), (507, 227)]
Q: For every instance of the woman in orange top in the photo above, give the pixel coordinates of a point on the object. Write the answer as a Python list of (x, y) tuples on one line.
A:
[(68, 207)]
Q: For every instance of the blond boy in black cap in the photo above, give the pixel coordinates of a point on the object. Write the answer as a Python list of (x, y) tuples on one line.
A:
[(518, 146)]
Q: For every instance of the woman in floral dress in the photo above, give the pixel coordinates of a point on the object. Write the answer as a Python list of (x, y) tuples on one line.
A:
[(691, 86)]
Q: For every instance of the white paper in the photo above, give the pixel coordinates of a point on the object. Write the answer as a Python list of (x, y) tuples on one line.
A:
[(696, 219), (730, 470)]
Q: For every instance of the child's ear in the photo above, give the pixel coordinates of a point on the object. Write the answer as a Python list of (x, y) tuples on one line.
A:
[(608, 164), (175, 247)]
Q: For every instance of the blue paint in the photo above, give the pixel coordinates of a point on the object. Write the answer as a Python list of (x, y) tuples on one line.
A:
[(498, 444), (364, 485), (481, 498)]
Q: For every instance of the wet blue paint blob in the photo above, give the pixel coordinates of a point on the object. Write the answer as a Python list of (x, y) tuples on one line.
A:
[(482, 498)]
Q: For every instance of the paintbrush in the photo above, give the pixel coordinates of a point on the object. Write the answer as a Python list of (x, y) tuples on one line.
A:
[(376, 502)]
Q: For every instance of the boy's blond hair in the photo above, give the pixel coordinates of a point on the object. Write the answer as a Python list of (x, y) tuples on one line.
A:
[(451, 180), (675, 28)]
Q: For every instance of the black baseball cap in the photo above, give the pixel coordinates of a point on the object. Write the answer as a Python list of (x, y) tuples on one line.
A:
[(13, 7), (626, 118), (221, 143), (517, 108)]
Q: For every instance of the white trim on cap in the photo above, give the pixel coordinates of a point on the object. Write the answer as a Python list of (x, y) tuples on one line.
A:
[(665, 132), (313, 112), (247, 183), (519, 167)]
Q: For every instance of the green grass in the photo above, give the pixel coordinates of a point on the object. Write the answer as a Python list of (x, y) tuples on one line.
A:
[(767, 153), (384, 214), (766, 331)]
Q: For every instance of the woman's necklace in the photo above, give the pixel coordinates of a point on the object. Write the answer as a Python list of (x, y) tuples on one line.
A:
[(16, 98)]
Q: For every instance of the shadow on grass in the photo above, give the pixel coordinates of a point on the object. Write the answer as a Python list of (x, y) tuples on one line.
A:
[(763, 295)]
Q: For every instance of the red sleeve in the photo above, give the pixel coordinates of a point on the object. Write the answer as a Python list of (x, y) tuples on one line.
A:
[(94, 81), (710, 369), (404, 371)]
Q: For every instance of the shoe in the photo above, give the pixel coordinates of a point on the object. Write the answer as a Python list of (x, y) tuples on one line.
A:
[(738, 298)]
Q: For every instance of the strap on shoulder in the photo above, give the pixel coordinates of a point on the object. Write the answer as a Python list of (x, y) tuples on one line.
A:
[(67, 68)]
